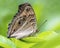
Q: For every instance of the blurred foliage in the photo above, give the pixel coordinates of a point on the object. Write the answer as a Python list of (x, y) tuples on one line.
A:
[(49, 34)]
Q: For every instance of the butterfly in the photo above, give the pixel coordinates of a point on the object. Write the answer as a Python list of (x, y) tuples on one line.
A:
[(23, 23)]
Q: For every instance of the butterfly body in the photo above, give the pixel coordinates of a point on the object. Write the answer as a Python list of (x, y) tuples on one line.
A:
[(23, 23)]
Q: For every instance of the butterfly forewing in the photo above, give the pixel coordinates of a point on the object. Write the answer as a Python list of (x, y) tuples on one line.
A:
[(23, 23)]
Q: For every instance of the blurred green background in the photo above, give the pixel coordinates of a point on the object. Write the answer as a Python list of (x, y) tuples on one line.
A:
[(49, 34)]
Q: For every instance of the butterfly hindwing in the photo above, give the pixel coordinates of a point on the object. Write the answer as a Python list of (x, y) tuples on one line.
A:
[(23, 23)]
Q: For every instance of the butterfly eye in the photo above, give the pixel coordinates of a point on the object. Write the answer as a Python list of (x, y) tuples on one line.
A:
[(20, 22)]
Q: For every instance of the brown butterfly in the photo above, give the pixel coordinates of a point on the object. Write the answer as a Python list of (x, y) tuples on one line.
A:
[(23, 23)]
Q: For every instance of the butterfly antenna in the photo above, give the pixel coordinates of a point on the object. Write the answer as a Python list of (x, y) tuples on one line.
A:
[(42, 24)]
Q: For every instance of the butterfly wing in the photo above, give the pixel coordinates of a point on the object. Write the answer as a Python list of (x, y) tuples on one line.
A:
[(24, 23)]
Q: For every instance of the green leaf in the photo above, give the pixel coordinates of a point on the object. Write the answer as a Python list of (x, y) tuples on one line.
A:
[(52, 40), (22, 44), (6, 43)]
